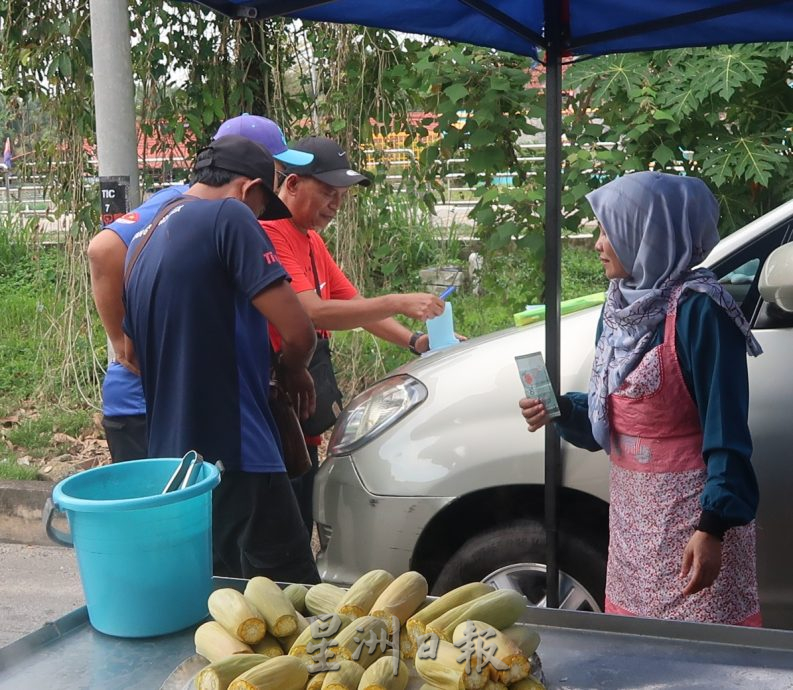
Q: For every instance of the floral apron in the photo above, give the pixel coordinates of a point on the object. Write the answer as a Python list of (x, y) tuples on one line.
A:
[(657, 477)]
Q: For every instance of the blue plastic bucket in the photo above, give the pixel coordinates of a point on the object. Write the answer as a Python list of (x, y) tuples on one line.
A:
[(145, 557)]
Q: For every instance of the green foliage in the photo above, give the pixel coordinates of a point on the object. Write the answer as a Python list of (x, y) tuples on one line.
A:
[(26, 278), (401, 241), (723, 114), (9, 470), (512, 279), (582, 272), (20, 370), (482, 108)]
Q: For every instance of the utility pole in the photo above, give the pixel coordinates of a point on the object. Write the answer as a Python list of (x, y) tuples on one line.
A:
[(114, 100)]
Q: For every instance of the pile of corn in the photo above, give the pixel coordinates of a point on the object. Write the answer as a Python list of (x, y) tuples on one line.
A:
[(262, 640)]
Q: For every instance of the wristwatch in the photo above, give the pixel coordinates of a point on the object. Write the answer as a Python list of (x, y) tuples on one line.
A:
[(412, 342)]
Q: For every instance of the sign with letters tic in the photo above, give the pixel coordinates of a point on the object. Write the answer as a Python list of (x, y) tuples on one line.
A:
[(113, 197)]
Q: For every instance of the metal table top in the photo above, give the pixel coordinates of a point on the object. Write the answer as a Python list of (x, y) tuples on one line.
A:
[(578, 651)]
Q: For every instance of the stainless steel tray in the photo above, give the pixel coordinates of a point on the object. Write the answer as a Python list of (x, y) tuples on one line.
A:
[(578, 650)]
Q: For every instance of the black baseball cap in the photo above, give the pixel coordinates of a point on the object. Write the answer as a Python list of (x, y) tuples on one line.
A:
[(248, 158), (330, 164)]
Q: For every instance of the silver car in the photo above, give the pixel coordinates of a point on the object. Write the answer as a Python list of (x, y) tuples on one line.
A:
[(433, 468)]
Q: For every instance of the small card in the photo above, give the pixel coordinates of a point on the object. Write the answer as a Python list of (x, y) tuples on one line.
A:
[(534, 377)]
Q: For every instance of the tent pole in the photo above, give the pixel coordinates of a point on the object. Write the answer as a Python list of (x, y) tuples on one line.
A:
[(553, 250)]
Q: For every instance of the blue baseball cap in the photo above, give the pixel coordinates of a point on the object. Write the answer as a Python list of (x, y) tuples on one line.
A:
[(264, 131)]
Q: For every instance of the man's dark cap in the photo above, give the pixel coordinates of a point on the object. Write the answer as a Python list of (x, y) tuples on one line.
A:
[(330, 164), (244, 157)]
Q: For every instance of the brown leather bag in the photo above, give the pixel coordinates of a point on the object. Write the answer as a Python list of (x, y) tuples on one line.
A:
[(293, 443)]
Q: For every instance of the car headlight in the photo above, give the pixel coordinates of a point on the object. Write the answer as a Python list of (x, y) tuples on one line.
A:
[(374, 410)]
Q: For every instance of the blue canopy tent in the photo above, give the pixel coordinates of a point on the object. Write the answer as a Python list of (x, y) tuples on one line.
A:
[(562, 28)]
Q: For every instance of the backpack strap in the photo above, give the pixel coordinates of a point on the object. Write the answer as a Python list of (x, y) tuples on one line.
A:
[(164, 211)]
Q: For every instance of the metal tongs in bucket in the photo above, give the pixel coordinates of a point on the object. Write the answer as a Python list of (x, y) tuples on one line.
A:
[(186, 473)]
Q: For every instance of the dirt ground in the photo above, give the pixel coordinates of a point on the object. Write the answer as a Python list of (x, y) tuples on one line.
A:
[(73, 454)]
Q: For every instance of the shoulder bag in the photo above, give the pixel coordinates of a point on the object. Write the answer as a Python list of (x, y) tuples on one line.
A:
[(293, 443)]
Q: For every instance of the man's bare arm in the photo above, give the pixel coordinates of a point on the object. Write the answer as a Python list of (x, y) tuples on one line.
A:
[(344, 314), (106, 254), (279, 304)]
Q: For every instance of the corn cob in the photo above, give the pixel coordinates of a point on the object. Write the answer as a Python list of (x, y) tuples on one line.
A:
[(365, 629), (499, 609), (214, 642), (235, 613), (289, 640), (401, 598), (446, 673), (281, 673), (269, 647), (358, 599), (326, 627), (522, 635), (297, 595), (407, 648), (219, 674), (530, 683), (323, 598), (417, 623), (346, 677), (494, 685), (380, 675), (315, 681), (273, 604), (514, 663)]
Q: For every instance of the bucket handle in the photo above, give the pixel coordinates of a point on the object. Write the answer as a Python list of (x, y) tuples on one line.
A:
[(58, 536)]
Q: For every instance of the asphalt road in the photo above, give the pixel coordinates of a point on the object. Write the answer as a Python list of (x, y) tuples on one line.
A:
[(37, 584)]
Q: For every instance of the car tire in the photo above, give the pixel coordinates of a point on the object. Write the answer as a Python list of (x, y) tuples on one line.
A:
[(517, 549)]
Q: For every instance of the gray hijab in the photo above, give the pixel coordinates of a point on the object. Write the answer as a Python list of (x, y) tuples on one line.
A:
[(660, 227)]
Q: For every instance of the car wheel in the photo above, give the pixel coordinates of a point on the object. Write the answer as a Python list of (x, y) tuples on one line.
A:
[(512, 556)]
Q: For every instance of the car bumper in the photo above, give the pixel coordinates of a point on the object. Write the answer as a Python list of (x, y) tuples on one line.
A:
[(360, 531)]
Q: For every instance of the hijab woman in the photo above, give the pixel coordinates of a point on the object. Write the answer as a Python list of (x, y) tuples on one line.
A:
[(668, 401)]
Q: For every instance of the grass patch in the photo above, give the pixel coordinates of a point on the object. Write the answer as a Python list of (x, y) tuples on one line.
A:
[(33, 355), (27, 293), (9, 469), (582, 272), (21, 369), (35, 435)]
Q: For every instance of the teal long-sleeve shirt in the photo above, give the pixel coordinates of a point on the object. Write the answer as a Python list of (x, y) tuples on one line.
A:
[(712, 356)]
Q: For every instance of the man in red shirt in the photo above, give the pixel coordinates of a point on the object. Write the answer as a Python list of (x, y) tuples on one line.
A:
[(313, 194)]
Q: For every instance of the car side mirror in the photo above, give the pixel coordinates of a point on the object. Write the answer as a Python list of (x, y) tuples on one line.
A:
[(776, 278)]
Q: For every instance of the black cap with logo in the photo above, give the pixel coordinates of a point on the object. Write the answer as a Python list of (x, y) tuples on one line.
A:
[(330, 164), (245, 157)]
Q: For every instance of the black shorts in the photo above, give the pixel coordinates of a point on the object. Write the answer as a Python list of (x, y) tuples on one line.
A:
[(257, 529), (127, 437)]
